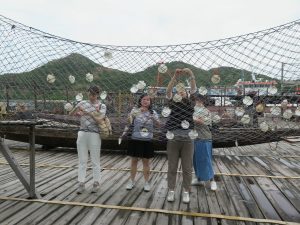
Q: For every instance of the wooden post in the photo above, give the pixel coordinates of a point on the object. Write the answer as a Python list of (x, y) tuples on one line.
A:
[(18, 170), (32, 161), (28, 182)]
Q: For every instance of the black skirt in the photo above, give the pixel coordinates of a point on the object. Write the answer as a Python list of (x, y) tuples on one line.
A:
[(140, 149)]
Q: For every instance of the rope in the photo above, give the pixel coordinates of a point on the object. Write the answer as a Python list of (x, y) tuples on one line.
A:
[(222, 155), (258, 156), (159, 171), (151, 210)]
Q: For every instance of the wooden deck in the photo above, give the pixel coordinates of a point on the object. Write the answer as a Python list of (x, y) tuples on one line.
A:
[(269, 190)]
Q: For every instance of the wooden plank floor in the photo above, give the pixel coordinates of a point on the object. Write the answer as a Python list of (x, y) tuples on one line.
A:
[(243, 196)]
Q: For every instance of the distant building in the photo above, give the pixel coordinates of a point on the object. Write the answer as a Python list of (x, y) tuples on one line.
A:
[(291, 87), (258, 87)]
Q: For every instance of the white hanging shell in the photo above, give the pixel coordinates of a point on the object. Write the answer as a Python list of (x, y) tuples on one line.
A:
[(89, 77), (264, 127), (166, 111), (297, 111), (245, 119), (272, 90), (247, 100), (103, 95), (50, 78), (177, 98), (239, 111), (216, 118), (141, 85), (79, 97), (275, 110), (68, 107), (134, 89), (193, 134), (135, 111), (202, 90), (287, 114), (162, 68), (216, 78), (170, 135), (185, 124), (72, 79)]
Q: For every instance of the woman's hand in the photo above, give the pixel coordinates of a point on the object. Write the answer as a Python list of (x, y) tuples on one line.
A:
[(79, 113), (188, 71), (177, 73), (172, 82), (155, 120), (82, 111), (199, 120)]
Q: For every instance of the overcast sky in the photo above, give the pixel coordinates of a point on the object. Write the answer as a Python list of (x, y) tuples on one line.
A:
[(150, 22)]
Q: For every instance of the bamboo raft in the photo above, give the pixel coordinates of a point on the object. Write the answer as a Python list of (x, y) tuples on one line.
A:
[(257, 184)]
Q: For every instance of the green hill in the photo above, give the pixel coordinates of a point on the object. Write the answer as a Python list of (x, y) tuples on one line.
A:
[(34, 81)]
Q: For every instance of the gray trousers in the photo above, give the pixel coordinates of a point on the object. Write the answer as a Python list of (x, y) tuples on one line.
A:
[(185, 150)]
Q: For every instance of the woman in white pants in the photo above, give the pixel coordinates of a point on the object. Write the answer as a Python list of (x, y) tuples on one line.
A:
[(89, 138)]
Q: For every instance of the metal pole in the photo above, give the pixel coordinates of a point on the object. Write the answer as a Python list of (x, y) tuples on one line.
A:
[(7, 98), (35, 95), (282, 71)]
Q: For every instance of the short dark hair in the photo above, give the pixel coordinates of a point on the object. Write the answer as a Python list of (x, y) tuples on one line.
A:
[(200, 98), (203, 98), (93, 89)]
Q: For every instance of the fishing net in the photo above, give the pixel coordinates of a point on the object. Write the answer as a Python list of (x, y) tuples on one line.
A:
[(248, 87)]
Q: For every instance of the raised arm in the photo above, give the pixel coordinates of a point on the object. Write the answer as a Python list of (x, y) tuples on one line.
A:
[(172, 83), (192, 79), (155, 119)]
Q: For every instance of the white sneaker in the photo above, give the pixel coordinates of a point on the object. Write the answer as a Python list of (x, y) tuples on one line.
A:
[(195, 181), (130, 185), (213, 185), (81, 188), (147, 186), (171, 196), (96, 187), (186, 197)]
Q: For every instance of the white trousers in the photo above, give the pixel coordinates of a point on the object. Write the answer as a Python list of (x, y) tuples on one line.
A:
[(88, 141)]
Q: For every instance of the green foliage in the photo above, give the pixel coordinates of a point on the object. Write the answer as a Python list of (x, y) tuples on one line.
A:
[(26, 84)]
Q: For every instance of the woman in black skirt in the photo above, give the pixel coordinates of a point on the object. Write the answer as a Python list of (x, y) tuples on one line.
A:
[(140, 144)]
